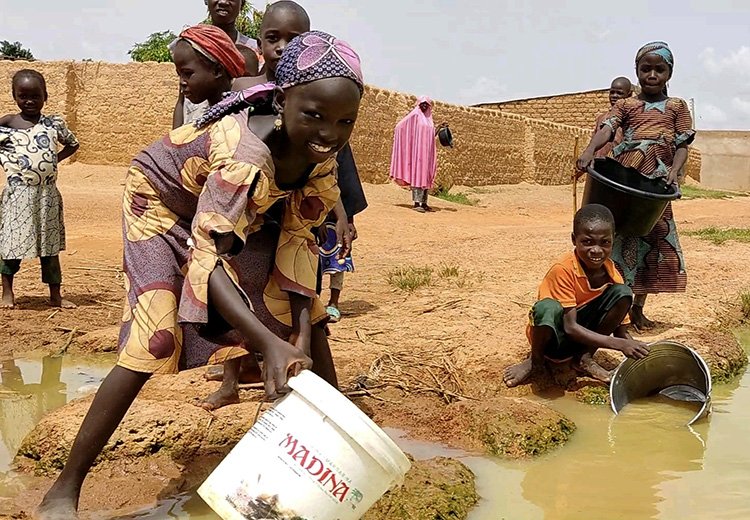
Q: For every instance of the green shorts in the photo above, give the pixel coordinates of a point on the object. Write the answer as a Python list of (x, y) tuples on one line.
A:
[(549, 313), (51, 271)]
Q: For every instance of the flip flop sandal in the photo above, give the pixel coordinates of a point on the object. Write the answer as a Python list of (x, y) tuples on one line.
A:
[(333, 313)]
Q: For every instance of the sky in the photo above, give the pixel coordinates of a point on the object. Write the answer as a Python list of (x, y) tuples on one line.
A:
[(456, 51)]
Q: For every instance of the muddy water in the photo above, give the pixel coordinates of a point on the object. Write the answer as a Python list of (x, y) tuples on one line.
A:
[(641, 464)]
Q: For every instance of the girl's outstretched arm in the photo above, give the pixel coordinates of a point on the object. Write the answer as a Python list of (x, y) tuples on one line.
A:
[(600, 138), (281, 359), (680, 158)]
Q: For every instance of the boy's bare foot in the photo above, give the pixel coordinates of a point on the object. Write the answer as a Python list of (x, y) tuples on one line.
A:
[(56, 509), (594, 369), (62, 303), (8, 300), (224, 396), (639, 320), (518, 374)]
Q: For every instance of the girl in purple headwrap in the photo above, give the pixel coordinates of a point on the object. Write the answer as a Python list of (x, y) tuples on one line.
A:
[(205, 278), (657, 130)]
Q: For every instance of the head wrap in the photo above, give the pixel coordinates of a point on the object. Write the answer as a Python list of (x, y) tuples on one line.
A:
[(309, 57), (214, 44), (660, 49), (316, 55)]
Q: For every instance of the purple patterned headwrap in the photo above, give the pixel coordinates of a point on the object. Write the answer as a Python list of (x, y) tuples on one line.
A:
[(309, 57), (316, 55)]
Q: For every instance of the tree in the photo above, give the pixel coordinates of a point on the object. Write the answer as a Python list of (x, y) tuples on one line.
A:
[(14, 51), (155, 48)]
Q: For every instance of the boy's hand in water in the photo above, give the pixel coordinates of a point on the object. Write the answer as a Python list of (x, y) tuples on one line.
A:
[(280, 362), (585, 160), (633, 348)]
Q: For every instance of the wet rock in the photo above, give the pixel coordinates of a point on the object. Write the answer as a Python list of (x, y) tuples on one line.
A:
[(512, 427), (439, 488), (593, 394), (165, 419), (720, 349)]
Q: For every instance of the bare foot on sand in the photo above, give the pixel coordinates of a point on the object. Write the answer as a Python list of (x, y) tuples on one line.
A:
[(8, 301), (56, 509), (62, 303), (224, 396), (518, 374), (639, 320), (590, 367)]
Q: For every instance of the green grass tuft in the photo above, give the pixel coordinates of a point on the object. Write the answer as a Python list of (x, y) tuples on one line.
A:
[(410, 278), (718, 236), (696, 192), (457, 198)]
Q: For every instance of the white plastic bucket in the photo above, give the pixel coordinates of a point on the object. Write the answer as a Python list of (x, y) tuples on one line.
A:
[(312, 456)]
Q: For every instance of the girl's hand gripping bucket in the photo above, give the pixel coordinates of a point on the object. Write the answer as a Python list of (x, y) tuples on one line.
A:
[(312, 456)]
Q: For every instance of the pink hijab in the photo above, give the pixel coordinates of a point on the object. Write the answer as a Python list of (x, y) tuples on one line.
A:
[(414, 159)]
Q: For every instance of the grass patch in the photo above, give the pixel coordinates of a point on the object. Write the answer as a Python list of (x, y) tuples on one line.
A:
[(695, 192), (745, 304), (410, 278), (449, 271), (718, 236), (457, 198)]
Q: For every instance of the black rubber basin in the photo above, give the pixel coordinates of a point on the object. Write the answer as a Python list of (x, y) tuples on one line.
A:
[(636, 201)]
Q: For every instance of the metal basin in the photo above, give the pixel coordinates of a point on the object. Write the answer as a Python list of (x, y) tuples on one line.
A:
[(671, 369)]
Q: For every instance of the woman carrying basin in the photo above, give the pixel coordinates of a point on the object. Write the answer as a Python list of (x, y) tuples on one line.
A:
[(657, 130)]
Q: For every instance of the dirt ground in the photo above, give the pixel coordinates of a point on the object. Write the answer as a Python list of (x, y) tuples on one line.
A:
[(487, 261)]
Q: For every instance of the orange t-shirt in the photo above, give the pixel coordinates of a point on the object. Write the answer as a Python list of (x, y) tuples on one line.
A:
[(566, 282)]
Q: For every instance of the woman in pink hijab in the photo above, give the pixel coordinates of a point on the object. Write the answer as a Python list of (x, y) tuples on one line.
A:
[(414, 159)]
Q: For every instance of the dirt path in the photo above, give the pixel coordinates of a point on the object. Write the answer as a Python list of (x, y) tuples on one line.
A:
[(486, 263)]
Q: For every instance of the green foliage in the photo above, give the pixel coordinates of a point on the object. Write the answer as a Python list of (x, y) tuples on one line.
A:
[(718, 236), (14, 51), (155, 48)]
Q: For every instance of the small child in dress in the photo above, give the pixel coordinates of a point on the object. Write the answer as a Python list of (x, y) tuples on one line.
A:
[(583, 304), (620, 88), (31, 211)]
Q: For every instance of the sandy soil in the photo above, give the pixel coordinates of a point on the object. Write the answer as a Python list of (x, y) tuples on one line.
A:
[(501, 249)]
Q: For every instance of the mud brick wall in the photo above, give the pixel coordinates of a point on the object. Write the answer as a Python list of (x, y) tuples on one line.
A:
[(579, 109), (118, 109)]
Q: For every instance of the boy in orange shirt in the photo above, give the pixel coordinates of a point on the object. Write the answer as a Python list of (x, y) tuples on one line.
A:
[(582, 306)]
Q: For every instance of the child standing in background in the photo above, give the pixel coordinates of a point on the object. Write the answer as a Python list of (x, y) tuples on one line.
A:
[(31, 211), (657, 130), (223, 14), (619, 89)]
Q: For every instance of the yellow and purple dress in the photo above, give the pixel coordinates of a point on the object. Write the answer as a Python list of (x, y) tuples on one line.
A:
[(180, 193)]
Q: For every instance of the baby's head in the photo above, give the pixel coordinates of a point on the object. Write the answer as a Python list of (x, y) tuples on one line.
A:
[(282, 22), (206, 60), (593, 234), (619, 89), (29, 91)]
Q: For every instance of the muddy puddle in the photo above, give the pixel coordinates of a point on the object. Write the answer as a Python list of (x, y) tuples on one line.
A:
[(643, 464)]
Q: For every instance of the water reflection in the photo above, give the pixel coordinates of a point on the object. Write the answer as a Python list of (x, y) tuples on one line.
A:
[(613, 467), (30, 388)]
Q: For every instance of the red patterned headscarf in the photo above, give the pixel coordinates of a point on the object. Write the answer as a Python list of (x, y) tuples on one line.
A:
[(215, 45)]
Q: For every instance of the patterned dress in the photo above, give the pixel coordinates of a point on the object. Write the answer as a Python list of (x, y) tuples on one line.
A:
[(31, 210), (182, 191), (651, 134)]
